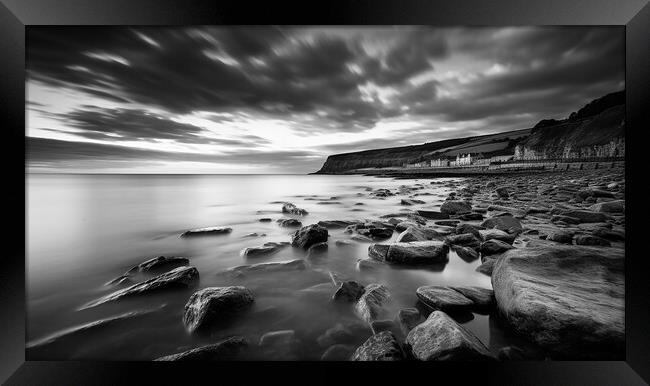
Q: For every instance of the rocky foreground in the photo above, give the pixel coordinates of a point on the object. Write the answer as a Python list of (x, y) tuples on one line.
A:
[(553, 244)]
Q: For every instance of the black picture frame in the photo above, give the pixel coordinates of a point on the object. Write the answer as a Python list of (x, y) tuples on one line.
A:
[(15, 15)]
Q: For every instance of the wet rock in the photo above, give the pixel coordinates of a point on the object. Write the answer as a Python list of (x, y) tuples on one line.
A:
[(181, 277), (493, 247), (226, 350), (266, 249), (404, 225), (469, 228), (292, 209), (417, 234), (502, 192), (289, 222), (337, 352), (567, 299), (447, 223), (471, 217), (255, 234), (444, 298), (265, 219), (379, 347), (586, 215), (411, 253), (372, 303), (617, 206), (483, 298), (376, 233), (455, 207), (409, 202), (279, 345), (307, 236), (465, 253), (496, 234), (507, 224), (591, 240), (560, 236), (277, 266), (213, 305), (348, 291), (487, 267), (335, 224), (408, 318), (432, 214), (441, 338), (613, 235), (209, 231), (367, 264), (160, 263), (465, 240)]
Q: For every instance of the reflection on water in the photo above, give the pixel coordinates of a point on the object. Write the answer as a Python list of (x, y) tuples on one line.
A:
[(83, 231)]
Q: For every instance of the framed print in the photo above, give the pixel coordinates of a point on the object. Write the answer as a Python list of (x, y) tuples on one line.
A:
[(254, 191)]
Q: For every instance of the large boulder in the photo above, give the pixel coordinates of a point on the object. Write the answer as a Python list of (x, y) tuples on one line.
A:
[(290, 208), (441, 338), (371, 305), (307, 236), (505, 223), (455, 207), (229, 349), (412, 253), (213, 304), (181, 277), (379, 347), (417, 234), (567, 299)]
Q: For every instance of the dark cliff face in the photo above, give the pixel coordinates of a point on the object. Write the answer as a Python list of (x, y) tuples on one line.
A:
[(595, 130)]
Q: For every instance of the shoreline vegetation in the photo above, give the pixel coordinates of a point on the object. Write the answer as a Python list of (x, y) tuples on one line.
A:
[(553, 244)]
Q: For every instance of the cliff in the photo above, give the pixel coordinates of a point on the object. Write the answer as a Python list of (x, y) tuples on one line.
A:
[(595, 130)]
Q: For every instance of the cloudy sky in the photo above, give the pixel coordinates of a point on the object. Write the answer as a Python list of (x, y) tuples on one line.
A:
[(279, 100)]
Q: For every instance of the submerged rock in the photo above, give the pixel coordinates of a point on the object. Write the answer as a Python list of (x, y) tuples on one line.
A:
[(160, 263), (226, 350), (337, 352), (307, 236), (371, 304), (264, 250), (567, 299), (181, 277), (279, 345), (292, 209), (409, 202), (207, 231), (276, 266), (411, 253), (379, 347), (213, 304), (440, 338), (408, 318), (289, 222)]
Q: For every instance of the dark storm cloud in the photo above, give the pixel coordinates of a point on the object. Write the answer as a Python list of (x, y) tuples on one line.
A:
[(51, 151)]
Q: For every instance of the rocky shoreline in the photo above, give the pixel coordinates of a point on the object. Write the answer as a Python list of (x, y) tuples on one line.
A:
[(553, 244)]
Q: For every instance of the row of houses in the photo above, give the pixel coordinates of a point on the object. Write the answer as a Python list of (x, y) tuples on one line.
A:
[(461, 160)]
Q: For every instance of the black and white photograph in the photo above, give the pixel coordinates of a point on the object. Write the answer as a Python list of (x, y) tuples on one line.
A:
[(325, 193)]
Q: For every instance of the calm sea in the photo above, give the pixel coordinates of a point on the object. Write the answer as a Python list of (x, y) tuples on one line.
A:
[(84, 230)]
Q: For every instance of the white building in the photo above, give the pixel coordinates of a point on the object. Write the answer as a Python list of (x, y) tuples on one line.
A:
[(439, 162), (463, 159)]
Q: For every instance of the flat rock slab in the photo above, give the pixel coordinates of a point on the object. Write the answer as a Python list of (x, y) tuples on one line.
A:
[(335, 224), (432, 214), (181, 277), (229, 349), (209, 231), (483, 298), (507, 224), (440, 338), (455, 207), (371, 305), (616, 206), (586, 215), (567, 299), (211, 305), (379, 347), (411, 253), (496, 234), (416, 233), (444, 298), (160, 263)]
